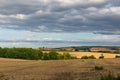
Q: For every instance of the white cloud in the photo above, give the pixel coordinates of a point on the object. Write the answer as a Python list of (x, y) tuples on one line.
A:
[(16, 16), (107, 38), (79, 2)]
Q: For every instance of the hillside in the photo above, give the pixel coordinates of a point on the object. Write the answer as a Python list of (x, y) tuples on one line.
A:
[(105, 49)]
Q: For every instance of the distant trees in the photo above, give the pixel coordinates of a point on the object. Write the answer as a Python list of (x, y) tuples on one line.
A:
[(32, 54), (21, 53), (88, 57), (68, 56), (45, 56), (53, 55)]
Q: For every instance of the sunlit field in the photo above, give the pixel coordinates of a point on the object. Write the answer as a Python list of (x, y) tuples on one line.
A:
[(96, 54)]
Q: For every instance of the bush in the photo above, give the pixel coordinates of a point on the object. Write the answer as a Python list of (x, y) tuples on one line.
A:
[(92, 57), (101, 57), (88, 57), (117, 56), (98, 67), (84, 57)]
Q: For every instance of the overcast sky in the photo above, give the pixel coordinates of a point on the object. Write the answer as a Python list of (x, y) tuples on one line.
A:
[(58, 23)]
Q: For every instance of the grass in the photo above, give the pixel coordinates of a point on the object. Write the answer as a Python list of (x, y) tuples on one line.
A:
[(70, 76), (110, 76), (3, 77)]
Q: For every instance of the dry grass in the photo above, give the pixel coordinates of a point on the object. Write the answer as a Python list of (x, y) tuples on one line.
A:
[(96, 54), (16, 69)]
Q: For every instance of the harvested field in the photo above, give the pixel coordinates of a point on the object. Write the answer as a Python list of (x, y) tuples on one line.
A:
[(96, 54), (15, 69)]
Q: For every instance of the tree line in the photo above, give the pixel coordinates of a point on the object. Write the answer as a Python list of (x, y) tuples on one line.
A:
[(32, 54)]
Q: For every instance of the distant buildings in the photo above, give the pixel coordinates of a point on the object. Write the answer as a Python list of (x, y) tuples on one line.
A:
[(98, 49), (85, 49)]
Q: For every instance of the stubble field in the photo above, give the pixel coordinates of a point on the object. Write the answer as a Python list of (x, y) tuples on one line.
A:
[(15, 69)]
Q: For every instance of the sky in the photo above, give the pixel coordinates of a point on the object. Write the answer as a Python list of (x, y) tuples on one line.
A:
[(59, 23)]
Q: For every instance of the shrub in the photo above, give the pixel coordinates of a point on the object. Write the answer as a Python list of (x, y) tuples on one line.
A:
[(117, 56), (88, 57), (92, 57), (101, 57), (84, 57), (98, 67)]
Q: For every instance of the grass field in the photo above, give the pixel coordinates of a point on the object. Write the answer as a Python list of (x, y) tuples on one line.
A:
[(15, 69)]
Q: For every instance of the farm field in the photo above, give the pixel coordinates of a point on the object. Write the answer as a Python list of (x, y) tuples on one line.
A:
[(96, 54), (16, 69)]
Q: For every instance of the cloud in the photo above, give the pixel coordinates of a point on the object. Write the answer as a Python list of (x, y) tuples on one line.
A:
[(58, 43), (34, 39), (95, 16)]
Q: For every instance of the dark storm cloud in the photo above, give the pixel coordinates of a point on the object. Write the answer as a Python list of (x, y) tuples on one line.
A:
[(97, 16)]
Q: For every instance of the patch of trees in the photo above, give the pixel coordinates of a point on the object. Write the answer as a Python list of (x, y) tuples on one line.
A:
[(116, 49), (32, 54), (88, 57), (56, 56), (83, 48)]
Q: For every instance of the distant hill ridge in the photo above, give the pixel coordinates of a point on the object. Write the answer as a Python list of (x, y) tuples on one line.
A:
[(112, 49)]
